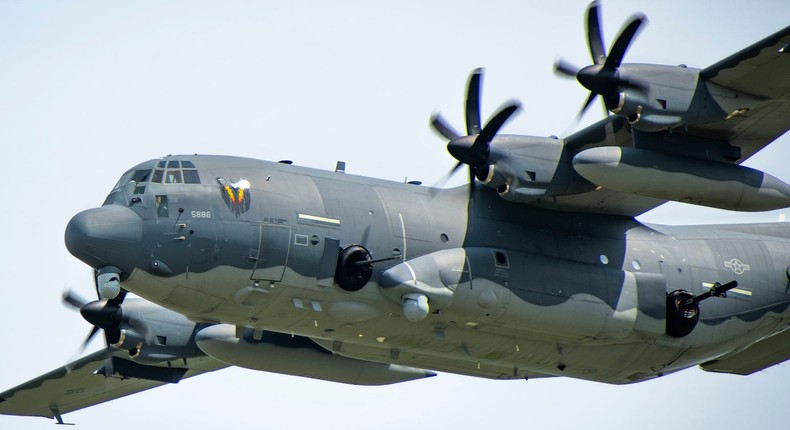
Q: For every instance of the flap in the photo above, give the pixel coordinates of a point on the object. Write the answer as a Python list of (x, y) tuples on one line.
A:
[(759, 356)]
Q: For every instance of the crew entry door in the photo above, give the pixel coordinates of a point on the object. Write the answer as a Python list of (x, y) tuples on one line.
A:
[(272, 258)]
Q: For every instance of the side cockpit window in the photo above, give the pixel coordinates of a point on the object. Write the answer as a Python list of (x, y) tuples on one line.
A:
[(136, 176), (141, 175)]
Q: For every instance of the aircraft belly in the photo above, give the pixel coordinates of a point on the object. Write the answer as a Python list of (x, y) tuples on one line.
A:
[(534, 316)]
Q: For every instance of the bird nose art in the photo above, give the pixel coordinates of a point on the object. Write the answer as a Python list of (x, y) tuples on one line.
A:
[(104, 235)]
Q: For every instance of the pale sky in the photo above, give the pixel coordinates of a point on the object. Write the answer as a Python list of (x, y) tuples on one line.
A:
[(89, 89)]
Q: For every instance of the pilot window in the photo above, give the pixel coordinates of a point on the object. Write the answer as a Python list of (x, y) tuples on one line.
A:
[(173, 177), (141, 175), (136, 176)]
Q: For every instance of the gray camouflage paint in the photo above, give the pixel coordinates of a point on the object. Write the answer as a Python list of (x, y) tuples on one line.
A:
[(515, 290)]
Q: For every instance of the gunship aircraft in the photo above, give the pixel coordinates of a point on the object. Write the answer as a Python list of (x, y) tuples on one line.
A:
[(537, 268)]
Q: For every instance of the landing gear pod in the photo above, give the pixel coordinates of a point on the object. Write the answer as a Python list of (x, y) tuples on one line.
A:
[(354, 268)]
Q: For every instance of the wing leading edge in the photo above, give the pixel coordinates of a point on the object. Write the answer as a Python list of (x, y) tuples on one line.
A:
[(76, 386)]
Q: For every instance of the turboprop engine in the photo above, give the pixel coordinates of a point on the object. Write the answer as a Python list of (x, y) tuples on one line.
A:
[(519, 168), (652, 97), (523, 169)]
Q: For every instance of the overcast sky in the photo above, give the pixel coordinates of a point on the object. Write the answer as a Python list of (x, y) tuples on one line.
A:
[(89, 89)]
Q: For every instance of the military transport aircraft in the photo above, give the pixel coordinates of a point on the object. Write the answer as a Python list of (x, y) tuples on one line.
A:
[(537, 268)]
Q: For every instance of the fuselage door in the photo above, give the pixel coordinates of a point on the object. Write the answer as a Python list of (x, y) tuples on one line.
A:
[(275, 244)]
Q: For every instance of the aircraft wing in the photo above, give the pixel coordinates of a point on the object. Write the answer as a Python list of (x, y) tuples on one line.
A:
[(76, 386), (761, 70), (610, 131), (759, 356)]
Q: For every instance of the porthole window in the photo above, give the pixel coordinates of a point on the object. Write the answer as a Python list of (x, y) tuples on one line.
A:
[(501, 258)]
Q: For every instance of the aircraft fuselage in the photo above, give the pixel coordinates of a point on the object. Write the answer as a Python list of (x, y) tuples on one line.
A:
[(510, 290)]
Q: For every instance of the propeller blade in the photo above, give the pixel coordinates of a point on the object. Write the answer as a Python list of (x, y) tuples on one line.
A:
[(564, 68), (594, 35), (480, 148), (448, 175), (457, 166), (88, 338), (73, 300), (441, 127), (471, 171), (586, 105), (473, 102), (623, 41)]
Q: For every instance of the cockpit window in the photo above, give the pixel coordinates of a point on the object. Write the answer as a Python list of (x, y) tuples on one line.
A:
[(141, 176), (136, 176), (191, 176), (178, 172), (173, 177), (124, 179), (158, 175)]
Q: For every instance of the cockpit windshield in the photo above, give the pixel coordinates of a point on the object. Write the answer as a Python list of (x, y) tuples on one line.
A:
[(175, 172), (165, 172)]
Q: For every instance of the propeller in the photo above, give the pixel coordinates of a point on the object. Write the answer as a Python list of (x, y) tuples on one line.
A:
[(603, 77), (102, 314), (473, 148)]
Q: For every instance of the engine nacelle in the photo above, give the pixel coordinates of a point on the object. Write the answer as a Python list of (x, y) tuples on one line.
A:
[(667, 97), (152, 334), (524, 169)]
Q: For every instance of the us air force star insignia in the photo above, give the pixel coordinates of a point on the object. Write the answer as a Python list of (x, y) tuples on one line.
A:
[(737, 266)]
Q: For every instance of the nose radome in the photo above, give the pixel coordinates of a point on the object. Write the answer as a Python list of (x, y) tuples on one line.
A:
[(101, 236)]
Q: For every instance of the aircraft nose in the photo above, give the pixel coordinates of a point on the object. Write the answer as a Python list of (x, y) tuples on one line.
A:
[(104, 236)]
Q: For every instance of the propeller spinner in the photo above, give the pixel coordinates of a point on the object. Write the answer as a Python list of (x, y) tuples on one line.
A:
[(473, 149), (603, 77), (102, 314)]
